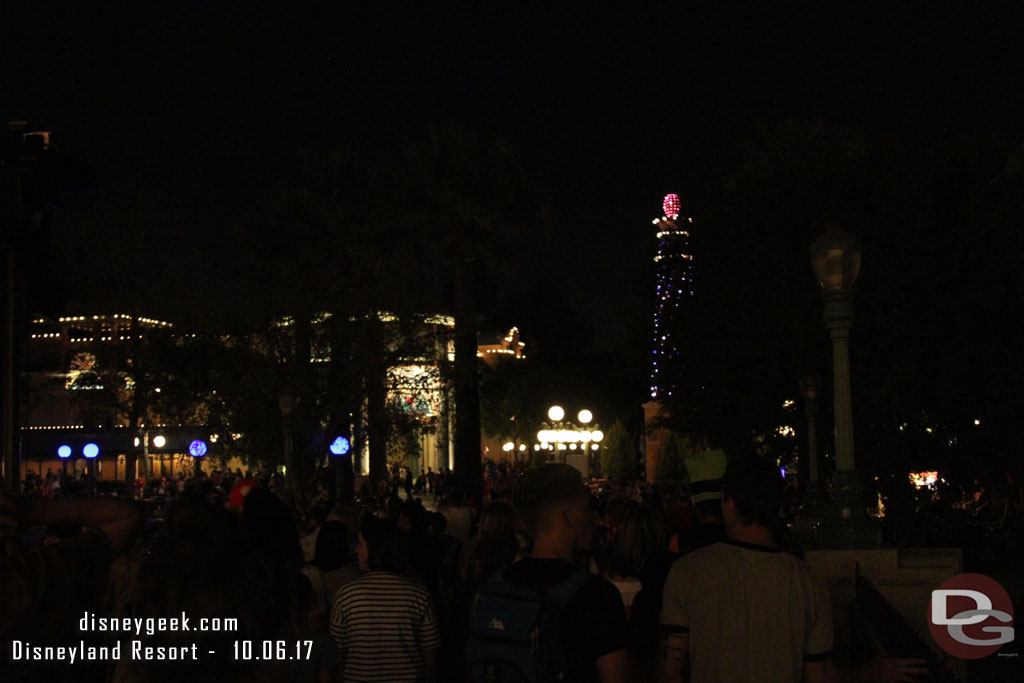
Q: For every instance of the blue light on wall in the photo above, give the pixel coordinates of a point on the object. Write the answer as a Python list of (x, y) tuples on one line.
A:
[(64, 451), (90, 450), (197, 448), (340, 446)]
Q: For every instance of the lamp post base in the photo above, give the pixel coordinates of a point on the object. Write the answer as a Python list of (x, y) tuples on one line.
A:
[(814, 503), (846, 523)]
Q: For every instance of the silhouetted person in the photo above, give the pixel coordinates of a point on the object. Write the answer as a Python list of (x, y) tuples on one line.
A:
[(554, 506), (744, 609), (383, 623)]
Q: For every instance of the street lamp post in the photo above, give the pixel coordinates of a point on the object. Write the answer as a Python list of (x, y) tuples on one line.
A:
[(197, 449), (561, 436), (341, 448), (287, 401), (836, 256), (813, 500), (556, 414)]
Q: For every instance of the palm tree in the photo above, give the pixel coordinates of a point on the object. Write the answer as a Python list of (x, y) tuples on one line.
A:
[(467, 191)]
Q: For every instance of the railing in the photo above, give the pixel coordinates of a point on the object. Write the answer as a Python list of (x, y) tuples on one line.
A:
[(891, 634)]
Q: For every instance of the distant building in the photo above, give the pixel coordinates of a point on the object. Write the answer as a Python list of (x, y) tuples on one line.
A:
[(494, 349), (508, 346), (76, 368)]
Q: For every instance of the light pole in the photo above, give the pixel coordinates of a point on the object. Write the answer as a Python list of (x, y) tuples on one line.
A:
[(340, 448), (556, 414), (287, 401), (562, 436), (813, 500), (197, 449), (835, 256)]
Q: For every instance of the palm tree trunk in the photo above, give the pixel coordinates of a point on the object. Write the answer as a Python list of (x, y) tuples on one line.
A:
[(468, 466)]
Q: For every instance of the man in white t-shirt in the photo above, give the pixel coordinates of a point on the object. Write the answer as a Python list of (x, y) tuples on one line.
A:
[(743, 609)]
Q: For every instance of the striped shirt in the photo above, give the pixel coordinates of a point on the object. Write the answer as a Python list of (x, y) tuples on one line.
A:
[(383, 623)]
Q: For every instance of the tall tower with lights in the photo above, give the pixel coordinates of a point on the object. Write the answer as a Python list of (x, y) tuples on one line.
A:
[(673, 286)]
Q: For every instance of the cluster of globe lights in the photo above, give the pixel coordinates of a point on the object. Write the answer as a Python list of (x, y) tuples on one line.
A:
[(89, 450), (568, 438), (196, 448)]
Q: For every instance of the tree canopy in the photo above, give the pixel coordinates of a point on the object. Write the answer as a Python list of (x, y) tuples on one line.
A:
[(929, 350)]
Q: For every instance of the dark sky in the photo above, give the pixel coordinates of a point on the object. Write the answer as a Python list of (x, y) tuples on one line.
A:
[(204, 107)]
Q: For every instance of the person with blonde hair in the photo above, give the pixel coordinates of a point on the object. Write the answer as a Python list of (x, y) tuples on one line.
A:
[(494, 546)]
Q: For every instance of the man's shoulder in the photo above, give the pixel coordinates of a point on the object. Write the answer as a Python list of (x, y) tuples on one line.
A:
[(717, 556), (701, 556), (380, 581)]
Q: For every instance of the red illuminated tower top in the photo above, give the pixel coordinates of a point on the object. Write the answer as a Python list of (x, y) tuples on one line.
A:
[(671, 206)]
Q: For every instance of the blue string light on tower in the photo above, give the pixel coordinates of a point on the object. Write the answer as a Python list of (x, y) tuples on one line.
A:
[(674, 284)]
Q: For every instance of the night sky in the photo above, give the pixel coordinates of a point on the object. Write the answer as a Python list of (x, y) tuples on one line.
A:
[(191, 113)]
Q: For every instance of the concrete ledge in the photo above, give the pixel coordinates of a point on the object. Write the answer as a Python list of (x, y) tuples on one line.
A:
[(904, 576)]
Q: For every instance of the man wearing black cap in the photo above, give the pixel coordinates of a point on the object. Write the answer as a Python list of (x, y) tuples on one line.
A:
[(743, 609), (706, 470)]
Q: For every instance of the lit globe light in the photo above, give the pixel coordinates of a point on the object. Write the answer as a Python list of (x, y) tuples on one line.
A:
[(159, 441), (522, 446), (340, 446), (585, 416), (537, 446), (597, 435), (90, 450), (594, 447), (197, 448), (64, 451), (508, 446), (555, 413), (586, 435), (136, 442), (572, 447), (671, 206), (569, 435)]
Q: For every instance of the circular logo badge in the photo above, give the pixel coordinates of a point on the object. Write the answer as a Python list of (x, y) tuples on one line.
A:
[(970, 616)]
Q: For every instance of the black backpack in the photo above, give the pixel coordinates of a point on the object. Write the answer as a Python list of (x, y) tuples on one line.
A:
[(514, 631)]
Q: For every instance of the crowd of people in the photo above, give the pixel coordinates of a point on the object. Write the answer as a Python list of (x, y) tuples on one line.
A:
[(386, 589)]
